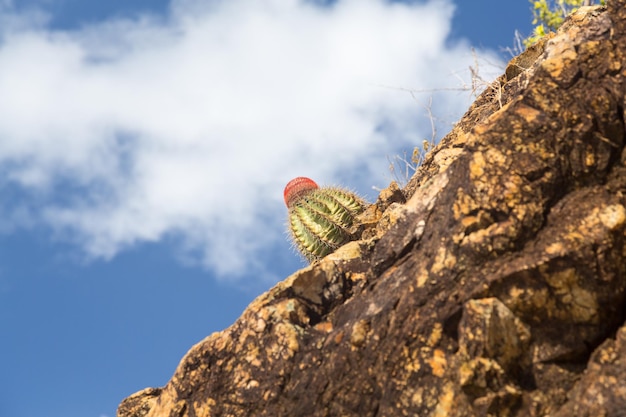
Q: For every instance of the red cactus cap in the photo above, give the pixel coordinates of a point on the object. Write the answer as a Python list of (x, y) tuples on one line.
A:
[(297, 187)]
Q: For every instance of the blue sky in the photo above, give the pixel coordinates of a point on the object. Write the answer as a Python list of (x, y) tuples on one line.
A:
[(144, 147)]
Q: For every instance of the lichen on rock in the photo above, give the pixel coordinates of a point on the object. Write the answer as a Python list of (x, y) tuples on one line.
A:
[(494, 283)]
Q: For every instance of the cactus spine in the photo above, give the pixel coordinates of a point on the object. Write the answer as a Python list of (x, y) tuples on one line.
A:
[(319, 218)]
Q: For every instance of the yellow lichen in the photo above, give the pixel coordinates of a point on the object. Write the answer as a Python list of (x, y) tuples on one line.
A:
[(443, 260), (435, 335), (438, 362), (422, 277), (359, 333), (413, 361), (613, 216), (445, 401), (529, 114), (562, 55)]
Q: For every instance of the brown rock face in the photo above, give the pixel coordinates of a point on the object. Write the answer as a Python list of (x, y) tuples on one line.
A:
[(496, 288)]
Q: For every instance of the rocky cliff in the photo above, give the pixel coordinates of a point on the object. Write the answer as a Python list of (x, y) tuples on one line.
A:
[(493, 284)]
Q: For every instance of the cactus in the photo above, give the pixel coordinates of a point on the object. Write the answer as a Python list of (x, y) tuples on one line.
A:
[(319, 218)]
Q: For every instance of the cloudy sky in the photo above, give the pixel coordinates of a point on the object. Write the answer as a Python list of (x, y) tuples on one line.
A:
[(144, 147)]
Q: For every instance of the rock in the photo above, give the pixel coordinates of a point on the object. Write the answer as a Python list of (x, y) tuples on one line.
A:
[(493, 284), (138, 404), (601, 390)]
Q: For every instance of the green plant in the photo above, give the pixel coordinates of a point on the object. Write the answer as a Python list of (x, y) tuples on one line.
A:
[(548, 15), (319, 218)]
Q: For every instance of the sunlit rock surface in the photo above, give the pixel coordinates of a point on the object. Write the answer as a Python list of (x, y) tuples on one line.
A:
[(493, 284)]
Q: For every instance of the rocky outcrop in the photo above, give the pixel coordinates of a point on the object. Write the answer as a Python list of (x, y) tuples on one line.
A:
[(493, 284)]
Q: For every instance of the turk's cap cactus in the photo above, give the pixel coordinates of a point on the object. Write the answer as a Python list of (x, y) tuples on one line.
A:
[(319, 218), (296, 188)]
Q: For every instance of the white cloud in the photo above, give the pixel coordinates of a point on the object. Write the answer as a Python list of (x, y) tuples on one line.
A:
[(189, 125)]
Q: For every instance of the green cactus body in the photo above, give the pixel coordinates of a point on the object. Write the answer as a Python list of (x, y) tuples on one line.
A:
[(320, 218)]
